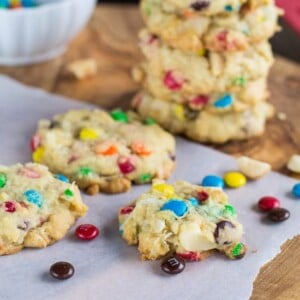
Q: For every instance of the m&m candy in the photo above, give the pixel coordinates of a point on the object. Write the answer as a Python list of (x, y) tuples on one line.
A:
[(235, 179), (173, 265), (3, 180), (62, 178), (87, 232), (224, 102), (34, 197), (267, 203), (173, 81), (119, 115), (178, 207), (213, 181), (62, 270), (296, 190), (164, 189)]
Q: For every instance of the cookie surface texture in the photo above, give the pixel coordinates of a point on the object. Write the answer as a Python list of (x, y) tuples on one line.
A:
[(189, 220), (36, 208), (104, 152)]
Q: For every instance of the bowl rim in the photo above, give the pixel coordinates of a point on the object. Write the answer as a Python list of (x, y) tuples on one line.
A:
[(36, 9)]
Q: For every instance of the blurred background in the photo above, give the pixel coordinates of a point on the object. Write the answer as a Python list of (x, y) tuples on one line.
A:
[(286, 43)]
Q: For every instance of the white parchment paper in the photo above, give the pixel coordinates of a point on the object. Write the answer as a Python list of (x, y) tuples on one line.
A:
[(107, 268)]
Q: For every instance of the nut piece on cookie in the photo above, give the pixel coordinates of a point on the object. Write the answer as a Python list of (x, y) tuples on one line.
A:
[(104, 152), (294, 164), (83, 68), (37, 208), (174, 218), (253, 169)]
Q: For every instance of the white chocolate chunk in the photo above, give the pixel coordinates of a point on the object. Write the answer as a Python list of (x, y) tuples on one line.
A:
[(294, 164), (83, 68), (252, 168), (193, 239)]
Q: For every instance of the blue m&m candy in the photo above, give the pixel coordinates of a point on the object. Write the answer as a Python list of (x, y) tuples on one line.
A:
[(62, 178), (34, 197), (178, 207), (296, 190), (213, 181), (28, 3), (194, 201), (4, 4), (224, 102)]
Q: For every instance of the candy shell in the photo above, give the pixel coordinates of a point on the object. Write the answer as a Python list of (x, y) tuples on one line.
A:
[(62, 270), (213, 181), (34, 197), (165, 189), (173, 81), (119, 116), (296, 190), (235, 179), (267, 203), (224, 102), (87, 232), (3, 180), (173, 265), (178, 207), (62, 178)]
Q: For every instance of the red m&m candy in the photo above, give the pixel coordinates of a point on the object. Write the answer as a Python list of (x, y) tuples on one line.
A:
[(267, 203), (87, 232)]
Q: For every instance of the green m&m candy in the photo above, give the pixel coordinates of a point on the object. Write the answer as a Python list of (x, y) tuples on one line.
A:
[(119, 115), (3, 180)]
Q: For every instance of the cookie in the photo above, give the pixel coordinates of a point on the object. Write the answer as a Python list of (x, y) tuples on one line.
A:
[(36, 207), (188, 74), (206, 7), (245, 92), (205, 126), (189, 220), (103, 151), (233, 32)]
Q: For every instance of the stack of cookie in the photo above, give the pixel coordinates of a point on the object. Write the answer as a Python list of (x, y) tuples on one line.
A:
[(206, 68)]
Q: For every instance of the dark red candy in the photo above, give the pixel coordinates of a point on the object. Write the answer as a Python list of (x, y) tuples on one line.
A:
[(202, 196), (173, 265), (278, 214), (125, 165), (126, 210), (62, 270), (9, 206), (173, 81), (267, 203), (87, 232), (200, 5), (190, 256)]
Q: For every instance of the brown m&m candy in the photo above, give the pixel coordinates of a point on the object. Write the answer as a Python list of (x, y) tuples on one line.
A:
[(278, 214), (62, 270), (173, 265)]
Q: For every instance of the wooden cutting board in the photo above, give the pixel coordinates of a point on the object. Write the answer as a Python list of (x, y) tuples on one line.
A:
[(111, 39)]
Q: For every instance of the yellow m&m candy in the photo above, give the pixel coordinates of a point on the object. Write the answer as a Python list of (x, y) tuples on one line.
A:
[(164, 189), (38, 154), (235, 179), (88, 134), (179, 112)]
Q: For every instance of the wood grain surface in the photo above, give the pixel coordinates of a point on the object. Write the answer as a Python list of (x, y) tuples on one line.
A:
[(111, 39)]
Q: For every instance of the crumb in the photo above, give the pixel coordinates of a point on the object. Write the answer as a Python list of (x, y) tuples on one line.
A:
[(253, 169), (83, 68), (294, 163), (281, 116), (137, 74)]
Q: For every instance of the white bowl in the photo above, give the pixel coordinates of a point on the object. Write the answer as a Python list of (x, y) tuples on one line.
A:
[(32, 35)]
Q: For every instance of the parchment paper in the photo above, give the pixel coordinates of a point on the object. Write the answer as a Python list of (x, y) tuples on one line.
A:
[(107, 268)]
